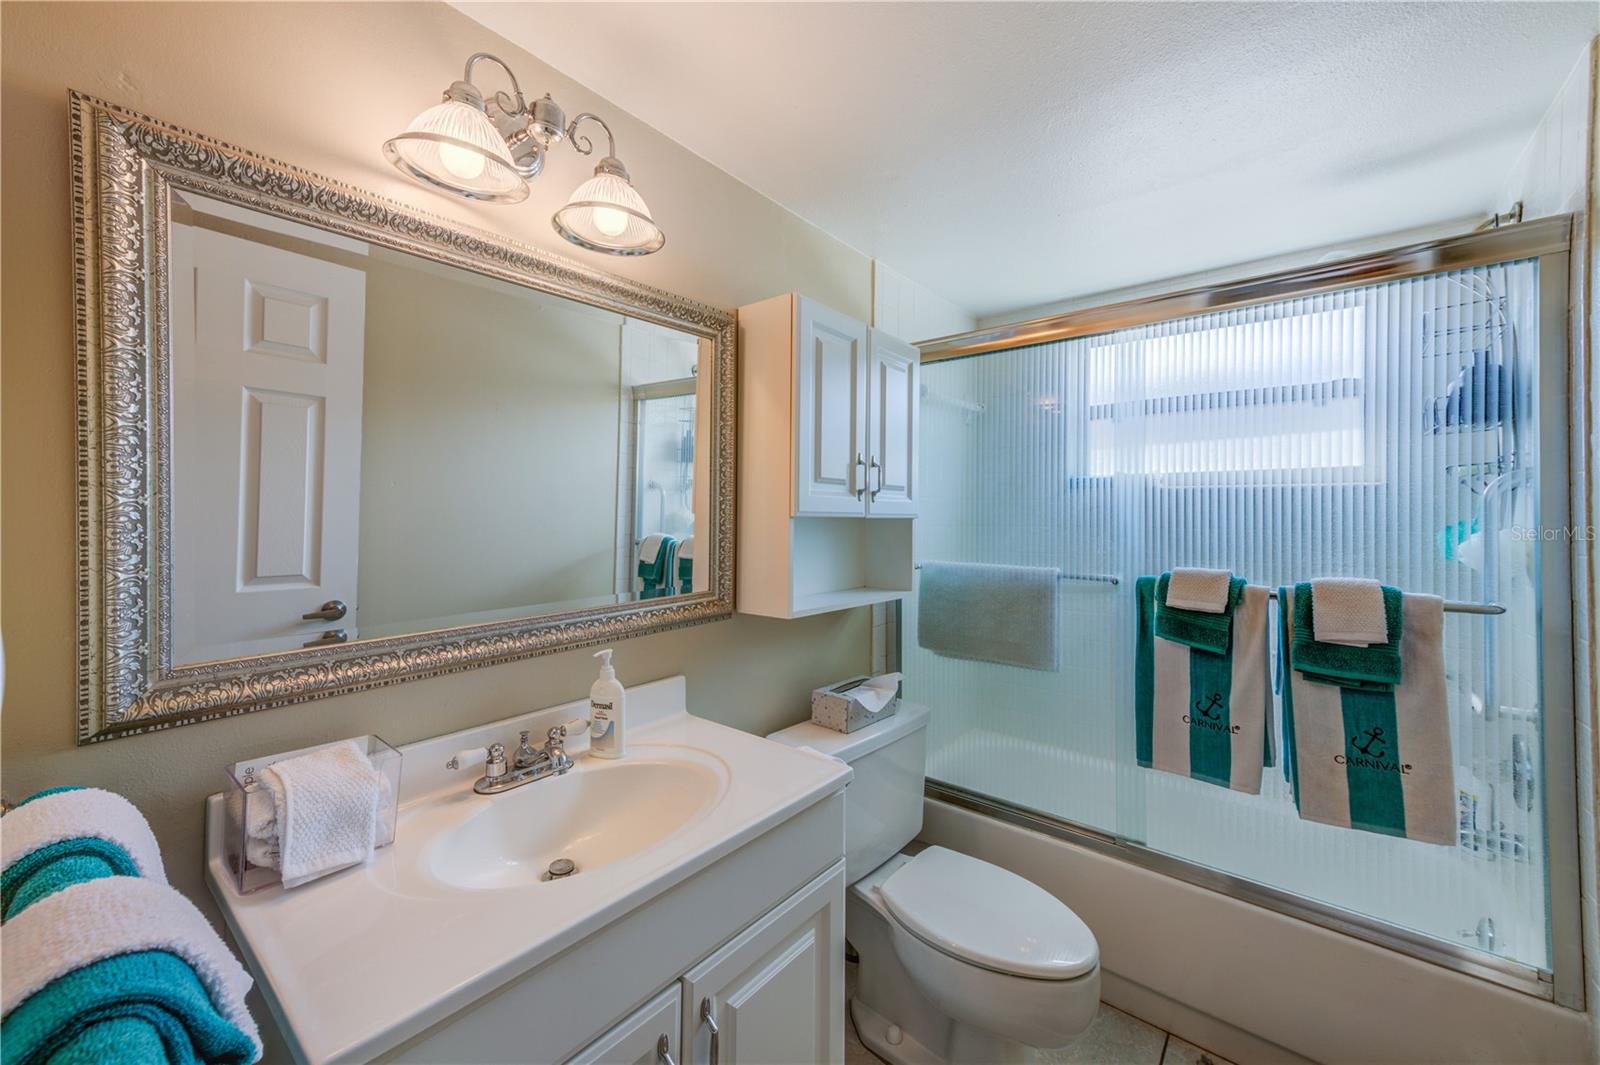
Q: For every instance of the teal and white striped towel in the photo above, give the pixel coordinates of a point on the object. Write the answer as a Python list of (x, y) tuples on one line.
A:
[(1199, 714), (1373, 760)]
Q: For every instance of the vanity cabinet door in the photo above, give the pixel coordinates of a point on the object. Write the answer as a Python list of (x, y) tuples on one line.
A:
[(830, 452), (775, 994), (893, 403), (638, 1039)]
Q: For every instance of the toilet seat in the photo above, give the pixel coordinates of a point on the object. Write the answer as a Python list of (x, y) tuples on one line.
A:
[(988, 917)]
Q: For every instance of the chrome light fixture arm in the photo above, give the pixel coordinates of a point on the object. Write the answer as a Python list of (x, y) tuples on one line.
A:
[(489, 148)]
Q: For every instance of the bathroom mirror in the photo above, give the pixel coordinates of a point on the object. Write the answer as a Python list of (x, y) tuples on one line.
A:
[(328, 442)]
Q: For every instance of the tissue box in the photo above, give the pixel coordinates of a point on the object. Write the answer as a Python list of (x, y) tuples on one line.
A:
[(836, 706), (245, 793)]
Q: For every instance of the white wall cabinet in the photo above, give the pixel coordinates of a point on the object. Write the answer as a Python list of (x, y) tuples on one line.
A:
[(828, 475)]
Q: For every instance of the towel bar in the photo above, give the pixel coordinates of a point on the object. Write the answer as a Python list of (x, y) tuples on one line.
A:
[(1094, 578), (1452, 606)]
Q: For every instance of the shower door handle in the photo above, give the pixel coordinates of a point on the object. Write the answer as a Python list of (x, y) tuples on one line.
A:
[(861, 485)]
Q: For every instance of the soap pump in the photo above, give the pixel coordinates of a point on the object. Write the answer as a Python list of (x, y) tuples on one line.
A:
[(606, 699)]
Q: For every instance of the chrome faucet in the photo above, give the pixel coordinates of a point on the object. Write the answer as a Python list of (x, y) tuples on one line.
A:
[(527, 765)]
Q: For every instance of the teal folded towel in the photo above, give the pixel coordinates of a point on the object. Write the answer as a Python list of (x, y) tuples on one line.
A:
[(1209, 632), (1375, 668), (138, 1008), (656, 575), (60, 865)]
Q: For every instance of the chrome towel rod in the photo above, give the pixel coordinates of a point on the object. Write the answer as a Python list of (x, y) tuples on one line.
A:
[(1452, 606), (1091, 578)]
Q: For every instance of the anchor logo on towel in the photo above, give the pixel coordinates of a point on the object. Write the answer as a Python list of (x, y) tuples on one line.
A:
[(1210, 709), (1374, 736)]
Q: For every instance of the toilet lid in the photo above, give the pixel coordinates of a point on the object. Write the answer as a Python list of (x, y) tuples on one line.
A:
[(989, 916)]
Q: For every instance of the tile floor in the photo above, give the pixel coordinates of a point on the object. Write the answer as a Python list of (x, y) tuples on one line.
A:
[(1115, 1038)]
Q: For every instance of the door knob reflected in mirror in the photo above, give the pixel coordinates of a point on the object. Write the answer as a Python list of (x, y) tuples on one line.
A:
[(332, 610), (331, 636)]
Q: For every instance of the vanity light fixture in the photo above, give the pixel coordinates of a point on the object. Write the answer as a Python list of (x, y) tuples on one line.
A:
[(488, 148)]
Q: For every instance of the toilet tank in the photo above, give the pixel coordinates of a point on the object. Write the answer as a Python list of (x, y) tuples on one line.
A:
[(883, 801)]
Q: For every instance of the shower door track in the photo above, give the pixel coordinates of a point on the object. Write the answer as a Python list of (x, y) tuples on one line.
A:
[(1547, 240), (1419, 945)]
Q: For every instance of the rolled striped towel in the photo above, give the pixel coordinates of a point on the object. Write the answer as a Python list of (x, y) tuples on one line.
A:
[(68, 835), (1200, 714), (1379, 761), (87, 968)]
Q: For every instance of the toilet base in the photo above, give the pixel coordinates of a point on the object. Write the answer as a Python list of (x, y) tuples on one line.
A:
[(967, 1045)]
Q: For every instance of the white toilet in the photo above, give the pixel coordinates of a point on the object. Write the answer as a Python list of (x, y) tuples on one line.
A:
[(962, 962)]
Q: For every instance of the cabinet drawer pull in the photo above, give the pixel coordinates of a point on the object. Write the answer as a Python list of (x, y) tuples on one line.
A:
[(664, 1051), (716, 1033), (879, 467), (861, 485)]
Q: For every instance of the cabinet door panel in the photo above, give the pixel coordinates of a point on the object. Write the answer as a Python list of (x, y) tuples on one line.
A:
[(776, 992), (637, 1040), (894, 404), (830, 419)]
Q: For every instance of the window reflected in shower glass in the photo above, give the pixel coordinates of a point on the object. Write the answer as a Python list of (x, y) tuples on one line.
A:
[(1389, 432)]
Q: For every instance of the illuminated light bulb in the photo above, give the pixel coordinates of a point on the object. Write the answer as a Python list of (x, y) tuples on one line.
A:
[(610, 221), (464, 163)]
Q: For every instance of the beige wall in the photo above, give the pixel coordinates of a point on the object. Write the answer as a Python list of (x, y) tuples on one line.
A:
[(488, 448), (322, 86)]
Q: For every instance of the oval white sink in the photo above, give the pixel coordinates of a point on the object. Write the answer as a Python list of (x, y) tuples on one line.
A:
[(597, 814)]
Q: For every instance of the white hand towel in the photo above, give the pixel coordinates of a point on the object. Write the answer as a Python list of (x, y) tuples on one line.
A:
[(1203, 590), (81, 812), (1349, 610), (649, 547), (326, 807), (100, 919)]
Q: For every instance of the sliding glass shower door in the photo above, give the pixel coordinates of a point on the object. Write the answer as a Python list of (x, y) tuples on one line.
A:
[(1398, 431)]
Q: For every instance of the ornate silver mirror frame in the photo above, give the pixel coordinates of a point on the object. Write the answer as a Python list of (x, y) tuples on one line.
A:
[(125, 167)]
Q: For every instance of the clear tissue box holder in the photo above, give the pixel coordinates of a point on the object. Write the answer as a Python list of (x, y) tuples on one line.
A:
[(245, 795)]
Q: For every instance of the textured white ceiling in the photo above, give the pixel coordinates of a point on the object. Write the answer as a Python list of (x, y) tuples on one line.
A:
[(1007, 155)]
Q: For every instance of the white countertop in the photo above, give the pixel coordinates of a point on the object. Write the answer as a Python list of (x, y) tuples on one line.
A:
[(358, 962)]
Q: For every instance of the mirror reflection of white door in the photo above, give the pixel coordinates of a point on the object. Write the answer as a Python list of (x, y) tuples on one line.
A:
[(267, 373)]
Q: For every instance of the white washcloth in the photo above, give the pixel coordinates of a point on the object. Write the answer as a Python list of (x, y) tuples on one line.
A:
[(1349, 610), (650, 546), (261, 822), (113, 915), (326, 807), (81, 812), (686, 547), (1203, 590)]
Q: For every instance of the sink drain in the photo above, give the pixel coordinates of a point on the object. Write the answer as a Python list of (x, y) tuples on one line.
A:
[(560, 869)]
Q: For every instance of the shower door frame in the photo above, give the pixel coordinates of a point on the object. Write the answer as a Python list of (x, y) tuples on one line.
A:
[(1547, 240)]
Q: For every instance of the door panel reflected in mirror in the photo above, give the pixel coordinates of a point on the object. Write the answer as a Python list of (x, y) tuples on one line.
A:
[(366, 443)]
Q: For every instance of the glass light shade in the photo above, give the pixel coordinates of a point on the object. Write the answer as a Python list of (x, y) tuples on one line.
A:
[(453, 146), (606, 214)]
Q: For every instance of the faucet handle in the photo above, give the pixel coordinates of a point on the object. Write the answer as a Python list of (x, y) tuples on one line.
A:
[(492, 758), (567, 728)]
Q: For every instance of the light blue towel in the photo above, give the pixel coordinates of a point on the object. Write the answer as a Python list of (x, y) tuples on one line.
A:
[(132, 1009), (1003, 614)]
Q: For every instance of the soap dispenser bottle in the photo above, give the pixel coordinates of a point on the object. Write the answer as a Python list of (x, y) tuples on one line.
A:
[(606, 699)]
